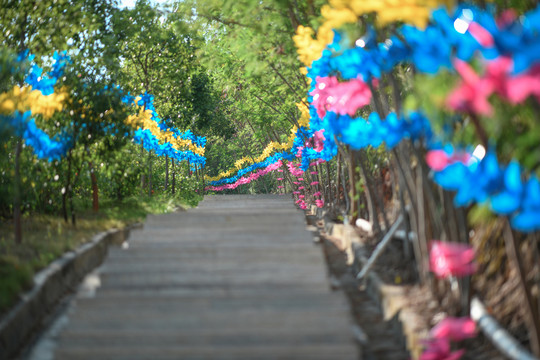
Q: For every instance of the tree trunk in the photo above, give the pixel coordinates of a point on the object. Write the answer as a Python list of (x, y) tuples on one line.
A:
[(17, 194), (150, 173), (378, 201), (338, 179), (65, 189), (352, 184), (420, 219), (202, 183), (372, 211), (142, 174), (344, 186), (328, 194), (71, 207), (17, 215), (95, 192), (173, 169), (532, 318), (166, 172)]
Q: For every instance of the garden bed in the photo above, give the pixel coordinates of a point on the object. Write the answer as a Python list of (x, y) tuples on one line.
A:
[(393, 282)]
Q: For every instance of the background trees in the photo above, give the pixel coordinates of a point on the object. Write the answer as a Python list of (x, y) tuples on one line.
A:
[(112, 52)]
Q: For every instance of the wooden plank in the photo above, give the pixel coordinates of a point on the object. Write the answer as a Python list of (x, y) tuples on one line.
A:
[(312, 352), (236, 278)]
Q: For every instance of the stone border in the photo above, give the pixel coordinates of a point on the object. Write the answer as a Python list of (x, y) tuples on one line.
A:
[(50, 285), (390, 298)]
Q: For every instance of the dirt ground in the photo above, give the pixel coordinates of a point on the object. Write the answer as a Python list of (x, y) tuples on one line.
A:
[(393, 267)]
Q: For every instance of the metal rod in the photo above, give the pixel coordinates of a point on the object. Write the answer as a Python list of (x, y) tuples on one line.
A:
[(498, 336), (379, 249)]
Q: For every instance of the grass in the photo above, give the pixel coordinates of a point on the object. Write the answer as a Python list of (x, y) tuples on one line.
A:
[(46, 238)]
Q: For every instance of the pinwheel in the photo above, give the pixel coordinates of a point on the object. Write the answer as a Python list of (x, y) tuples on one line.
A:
[(451, 259)]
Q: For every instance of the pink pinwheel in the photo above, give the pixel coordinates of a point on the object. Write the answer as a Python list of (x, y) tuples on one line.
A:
[(314, 172), (300, 188), (480, 34), (472, 94), (342, 98), (520, 87), (347, 97), (280, 187), (455, 329), (319, 203), (313, 183), (451, 259), (274, 166), (296, 182), (438, 160), (318, 140), (515, 89), (296, 192), (279, 179), (300, 179), (294, 171), (301, 196), (248, 179), (322, 92), (317, 194)]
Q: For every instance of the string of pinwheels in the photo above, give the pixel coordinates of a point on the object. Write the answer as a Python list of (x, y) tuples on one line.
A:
[(20, 105)]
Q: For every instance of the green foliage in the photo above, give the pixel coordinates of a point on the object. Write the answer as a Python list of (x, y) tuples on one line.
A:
[(254, 66), (48, 237), (429, 93), (8, 61), (510, 127), (47, 25), (481, 215), (158, 57), (16, 277), (208, 116), (513, 130)]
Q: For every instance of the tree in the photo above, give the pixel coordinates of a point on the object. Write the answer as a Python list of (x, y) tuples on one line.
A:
[(253, 63), (44, 26), (158, 57)]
